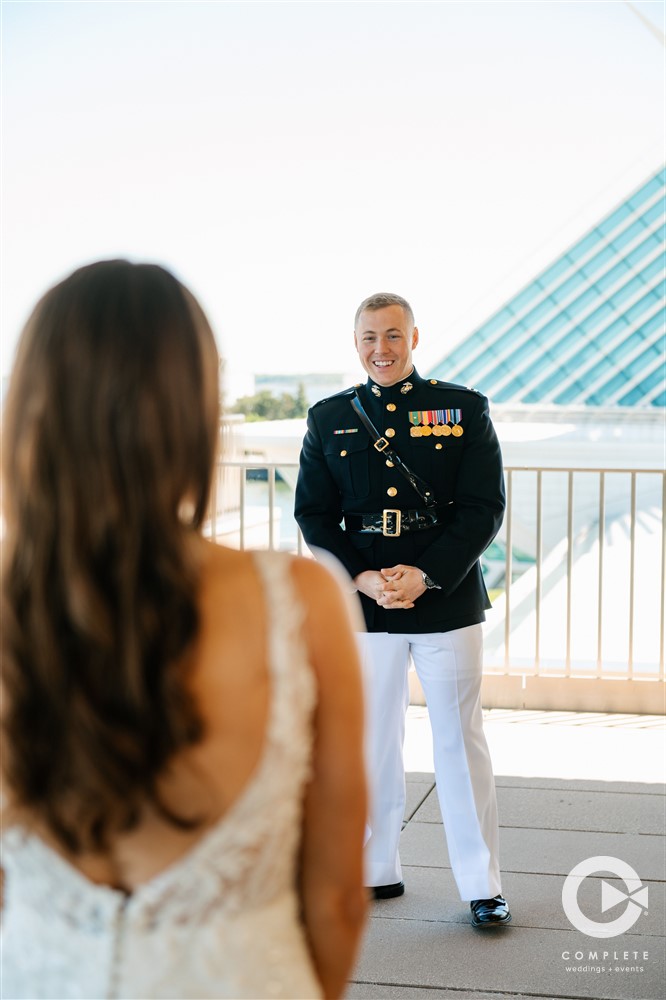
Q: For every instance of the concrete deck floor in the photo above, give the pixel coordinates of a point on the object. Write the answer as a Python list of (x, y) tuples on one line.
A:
[(570, 787)]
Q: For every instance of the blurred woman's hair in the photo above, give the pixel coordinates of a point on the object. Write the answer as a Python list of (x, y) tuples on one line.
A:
[(110, 432)]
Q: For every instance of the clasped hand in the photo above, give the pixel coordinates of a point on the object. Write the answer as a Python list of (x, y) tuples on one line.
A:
[(397, 587)]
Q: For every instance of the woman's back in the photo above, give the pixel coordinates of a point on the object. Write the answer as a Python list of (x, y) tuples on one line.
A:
[(180, 722), (199, 915)]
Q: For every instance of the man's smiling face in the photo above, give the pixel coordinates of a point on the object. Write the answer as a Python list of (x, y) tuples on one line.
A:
[(385, 339)]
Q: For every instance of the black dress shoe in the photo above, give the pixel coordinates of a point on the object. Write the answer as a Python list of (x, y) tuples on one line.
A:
[(387, 891), (490, 912)]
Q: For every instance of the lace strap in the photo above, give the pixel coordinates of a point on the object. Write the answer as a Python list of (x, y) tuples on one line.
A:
[(291, 673), (285, 614)]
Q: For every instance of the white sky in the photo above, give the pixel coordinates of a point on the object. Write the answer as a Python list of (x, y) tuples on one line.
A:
[(288, 159)]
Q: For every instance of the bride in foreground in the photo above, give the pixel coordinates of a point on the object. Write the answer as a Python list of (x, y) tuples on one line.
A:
[(181, 722)]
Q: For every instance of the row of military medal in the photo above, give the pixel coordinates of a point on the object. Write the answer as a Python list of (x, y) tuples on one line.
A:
[(437, 422), (439, 430)]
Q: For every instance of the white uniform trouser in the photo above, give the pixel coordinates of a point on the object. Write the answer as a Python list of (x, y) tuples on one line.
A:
[(449, 667)]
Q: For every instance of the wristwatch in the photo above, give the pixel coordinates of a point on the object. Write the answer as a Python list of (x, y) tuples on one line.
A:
[(430, 584)]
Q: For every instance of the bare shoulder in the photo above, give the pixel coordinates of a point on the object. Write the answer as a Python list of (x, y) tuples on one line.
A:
[(228, 582), (324, 590), (331, 604), (220, 562), (320, 585)]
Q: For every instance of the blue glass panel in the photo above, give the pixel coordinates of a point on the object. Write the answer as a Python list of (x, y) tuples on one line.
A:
[(659, 400), (569, 339), (539, 312), (623, 293), (653, 269), (512, 388), (602, 365), (642, 250), (653, 324), (521, 355), (556, 270), (582, 302), (524, 298), (645, 359), (567, 287), (605, 391), (495, 323), (654, 213), (512, 339), (632, 397), (609, 332), (497, 367), (595, 318), (596, 263), (573, 364), (545, 336), (469, 348), (613, 276), (645, 386), (569, 394), (462, 352), (614, 219), (652, 380), (627, 345), (632, 232), (648, 189), (546, 333), (584, 246), (540, 363), (544, 387), (646, 302), (467, 373), (509, 391)]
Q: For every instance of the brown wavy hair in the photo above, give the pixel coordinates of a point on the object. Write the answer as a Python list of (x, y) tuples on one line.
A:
[(110, 432)]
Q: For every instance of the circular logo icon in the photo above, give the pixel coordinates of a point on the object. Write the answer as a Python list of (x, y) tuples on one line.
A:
[(635, 897)]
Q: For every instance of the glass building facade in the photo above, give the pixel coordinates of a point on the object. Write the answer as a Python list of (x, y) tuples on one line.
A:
[(590, 329)]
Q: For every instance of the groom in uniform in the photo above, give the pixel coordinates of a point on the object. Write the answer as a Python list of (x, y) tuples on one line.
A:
[(406, 490)]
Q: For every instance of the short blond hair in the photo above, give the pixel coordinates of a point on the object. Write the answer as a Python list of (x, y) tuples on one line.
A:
[(380, 300)]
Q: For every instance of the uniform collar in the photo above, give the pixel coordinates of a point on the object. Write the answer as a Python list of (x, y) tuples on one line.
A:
[(392, 393)]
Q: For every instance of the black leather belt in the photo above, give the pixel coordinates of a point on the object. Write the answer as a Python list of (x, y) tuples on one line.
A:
[(392, 522)]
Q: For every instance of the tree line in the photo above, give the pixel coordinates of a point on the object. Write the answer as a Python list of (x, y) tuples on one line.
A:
[(265, 406)]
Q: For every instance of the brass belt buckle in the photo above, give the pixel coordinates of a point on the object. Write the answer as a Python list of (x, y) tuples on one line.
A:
[(398, 519), (381, 444)]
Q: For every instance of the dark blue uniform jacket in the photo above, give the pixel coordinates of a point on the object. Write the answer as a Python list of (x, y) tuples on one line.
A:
[(341, 472)]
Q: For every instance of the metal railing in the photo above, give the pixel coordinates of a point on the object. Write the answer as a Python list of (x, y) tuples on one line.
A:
[(580, 552), (644, 577)]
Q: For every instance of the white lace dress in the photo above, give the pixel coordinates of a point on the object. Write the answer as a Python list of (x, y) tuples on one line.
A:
[(220, 922)]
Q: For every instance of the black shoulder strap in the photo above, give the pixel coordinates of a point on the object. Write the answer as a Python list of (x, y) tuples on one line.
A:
[(383, 445)]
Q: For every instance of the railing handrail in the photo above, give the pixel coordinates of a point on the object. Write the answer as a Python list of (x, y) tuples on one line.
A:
[(534, 467), (566, 542)]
